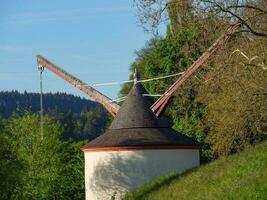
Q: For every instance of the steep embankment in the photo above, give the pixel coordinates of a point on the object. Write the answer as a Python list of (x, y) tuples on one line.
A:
[(241, 176)]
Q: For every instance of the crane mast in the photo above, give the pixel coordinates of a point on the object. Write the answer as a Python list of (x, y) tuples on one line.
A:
[(88, 90), (160, 104)]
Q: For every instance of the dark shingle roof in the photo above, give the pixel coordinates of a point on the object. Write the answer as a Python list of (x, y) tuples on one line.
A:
[(136, 125), (140, 137), (135, 112)]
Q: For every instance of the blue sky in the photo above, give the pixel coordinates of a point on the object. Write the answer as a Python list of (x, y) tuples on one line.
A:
[(93, 40)]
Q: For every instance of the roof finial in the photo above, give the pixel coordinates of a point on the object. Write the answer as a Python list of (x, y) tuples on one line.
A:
[(136, 76)]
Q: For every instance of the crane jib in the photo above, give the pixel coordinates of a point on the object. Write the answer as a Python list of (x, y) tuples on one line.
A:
[(159, 105), (88, 90)]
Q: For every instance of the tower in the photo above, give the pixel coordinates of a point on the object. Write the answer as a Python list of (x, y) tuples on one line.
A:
[(135, 149)]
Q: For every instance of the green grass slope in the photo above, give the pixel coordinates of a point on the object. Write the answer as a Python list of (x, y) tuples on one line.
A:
[(241, 176)]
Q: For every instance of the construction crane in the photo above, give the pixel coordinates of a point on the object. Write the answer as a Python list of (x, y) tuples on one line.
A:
[(161, 103), (111, 106)]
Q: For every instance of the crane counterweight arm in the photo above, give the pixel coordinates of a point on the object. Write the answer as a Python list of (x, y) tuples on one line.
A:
[(88, 90), (159, 105)]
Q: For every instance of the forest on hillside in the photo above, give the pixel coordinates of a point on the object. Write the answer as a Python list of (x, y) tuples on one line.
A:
[(82, 118), (223, 106), (16, 102)]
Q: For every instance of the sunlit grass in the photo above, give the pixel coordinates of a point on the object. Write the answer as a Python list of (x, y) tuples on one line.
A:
[(241, 176)]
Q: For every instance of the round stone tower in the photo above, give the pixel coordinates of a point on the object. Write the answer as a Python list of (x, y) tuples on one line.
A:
[(136, 148)]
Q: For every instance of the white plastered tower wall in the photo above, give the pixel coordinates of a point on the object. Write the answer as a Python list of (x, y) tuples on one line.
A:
[(107, 172)]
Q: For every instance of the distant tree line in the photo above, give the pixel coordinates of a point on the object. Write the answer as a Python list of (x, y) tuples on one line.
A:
[(81, 118), (14, 101)]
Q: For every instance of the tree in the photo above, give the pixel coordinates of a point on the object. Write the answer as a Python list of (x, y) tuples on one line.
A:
[(251, 13), (234, 92), (32, 168), (40, 158), (70, 182), (152, 13), (233, 80), (10, 165)]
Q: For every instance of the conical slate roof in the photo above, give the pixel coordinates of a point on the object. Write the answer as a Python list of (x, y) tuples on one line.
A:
[(135, 111), (136, 125)]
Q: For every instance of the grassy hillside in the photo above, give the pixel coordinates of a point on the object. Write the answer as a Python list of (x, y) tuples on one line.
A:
[(241, 176)]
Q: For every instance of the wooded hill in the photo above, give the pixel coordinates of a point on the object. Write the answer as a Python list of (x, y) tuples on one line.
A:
[(82, 118), (14, 101)]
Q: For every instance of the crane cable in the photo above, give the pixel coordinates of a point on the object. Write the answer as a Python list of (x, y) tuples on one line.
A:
[(41, 69), (141, 81)]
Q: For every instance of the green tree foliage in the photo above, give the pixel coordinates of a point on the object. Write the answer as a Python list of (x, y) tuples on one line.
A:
[(16, 102), (86, 125), (71, 177), (52, 168), (39, 157), (224, 105), (234, 92), (82, 119), (39, 169), (10, 165)]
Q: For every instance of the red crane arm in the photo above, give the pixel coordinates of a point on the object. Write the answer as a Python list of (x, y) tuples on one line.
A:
[(88, 90), (159, 105)]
